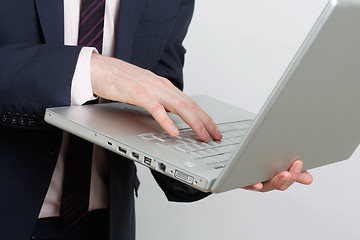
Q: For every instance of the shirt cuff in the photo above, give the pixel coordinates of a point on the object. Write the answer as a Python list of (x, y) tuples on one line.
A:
[(81, 88)]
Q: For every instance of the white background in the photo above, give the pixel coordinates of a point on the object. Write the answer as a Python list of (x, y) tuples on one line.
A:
[(237, 51)]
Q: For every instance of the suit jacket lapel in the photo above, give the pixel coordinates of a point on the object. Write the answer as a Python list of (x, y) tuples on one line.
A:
[(128, 18), (51, 16)]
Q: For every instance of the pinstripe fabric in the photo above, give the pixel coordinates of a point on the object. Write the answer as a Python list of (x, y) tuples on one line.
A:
[(76, 187)]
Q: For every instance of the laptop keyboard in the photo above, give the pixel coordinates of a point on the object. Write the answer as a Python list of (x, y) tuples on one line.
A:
[(215, 154)]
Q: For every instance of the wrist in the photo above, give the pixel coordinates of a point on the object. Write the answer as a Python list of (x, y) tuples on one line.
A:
[(95, 73)]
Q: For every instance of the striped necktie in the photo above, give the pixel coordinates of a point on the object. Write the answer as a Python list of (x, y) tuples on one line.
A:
[(92, 23), (77, 173)]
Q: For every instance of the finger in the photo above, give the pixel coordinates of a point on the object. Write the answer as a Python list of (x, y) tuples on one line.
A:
[(299, 176), (254, 187), (295, 168), (281, 181), (160, 115), (209, 125), (305, 178), (185, 109)]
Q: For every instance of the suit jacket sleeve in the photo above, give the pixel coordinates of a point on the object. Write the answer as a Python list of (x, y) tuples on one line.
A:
[(35, 76)]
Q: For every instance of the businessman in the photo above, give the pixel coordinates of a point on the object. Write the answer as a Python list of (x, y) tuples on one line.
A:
[(58, 53)]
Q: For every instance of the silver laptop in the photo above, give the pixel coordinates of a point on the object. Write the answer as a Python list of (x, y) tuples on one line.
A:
[(312, 114)]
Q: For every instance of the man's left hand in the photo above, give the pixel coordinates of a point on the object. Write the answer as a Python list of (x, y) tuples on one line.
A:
[(285, 179)]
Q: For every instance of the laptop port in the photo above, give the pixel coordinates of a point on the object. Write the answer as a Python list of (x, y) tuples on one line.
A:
[(160, 167), (184, 177), (122, 150), (135, 155), (147, 161)]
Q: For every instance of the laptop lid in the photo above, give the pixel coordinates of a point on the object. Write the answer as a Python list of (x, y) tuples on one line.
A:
[(313, 113)]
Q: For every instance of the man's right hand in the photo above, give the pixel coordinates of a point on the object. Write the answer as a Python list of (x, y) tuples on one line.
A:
[(117, 80)]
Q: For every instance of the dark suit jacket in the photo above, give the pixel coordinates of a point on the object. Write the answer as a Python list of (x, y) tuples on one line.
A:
[(36, 70)]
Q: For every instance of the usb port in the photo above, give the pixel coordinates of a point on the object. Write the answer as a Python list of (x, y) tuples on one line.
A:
[(122, 150), (147, 161), (135, 155)]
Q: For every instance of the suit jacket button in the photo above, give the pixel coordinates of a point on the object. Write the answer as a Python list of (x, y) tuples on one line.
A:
[(32, 120), (23, 119), (5, 116), (14, 118), (50, 150)]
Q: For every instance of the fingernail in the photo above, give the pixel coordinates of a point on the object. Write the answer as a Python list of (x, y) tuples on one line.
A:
[(298, 168), (258, 186), (218, 133), (205, 134), (174, 130)]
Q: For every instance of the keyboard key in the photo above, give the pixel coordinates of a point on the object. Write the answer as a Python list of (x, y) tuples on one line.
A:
[(203, 153), (194, 155), (224, 162), (247, 122), (187, 141), (196, 146), (165, 139), (227, 149), (230, 141), (225, 128), (208, 160), (161, 135), (215, 143), (212, 152), (188, 134), (186, 148), (178, 150), (231, 134), (223, 157), (205, 145), (238, 140), (216, 165), (149, 136), (171, 143)]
